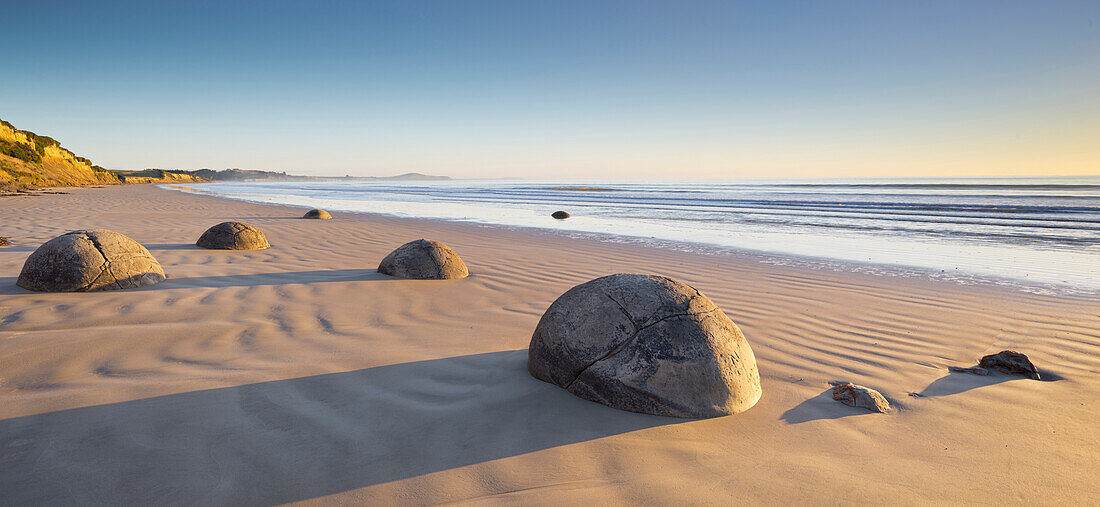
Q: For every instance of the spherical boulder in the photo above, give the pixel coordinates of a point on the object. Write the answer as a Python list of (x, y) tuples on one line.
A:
[(560, 215), (318, 214), (648, 344), (233, 236), (424, 260), (91, 260)]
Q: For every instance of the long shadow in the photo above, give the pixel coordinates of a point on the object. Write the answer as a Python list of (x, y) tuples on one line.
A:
[(9, 288), (297, 439), (292, 277), (174, 246), (957, 382), (823, 406)]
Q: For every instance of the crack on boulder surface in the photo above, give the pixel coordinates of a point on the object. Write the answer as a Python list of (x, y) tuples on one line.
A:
[(106, 264), (637, 332)]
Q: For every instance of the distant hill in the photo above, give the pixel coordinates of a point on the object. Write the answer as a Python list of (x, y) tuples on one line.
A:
[(255, 175), (29, 160)]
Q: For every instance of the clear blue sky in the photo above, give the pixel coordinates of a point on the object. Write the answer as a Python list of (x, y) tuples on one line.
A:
[(585, 88)]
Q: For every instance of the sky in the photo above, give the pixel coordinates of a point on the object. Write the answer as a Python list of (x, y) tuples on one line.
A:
[(541, 89)]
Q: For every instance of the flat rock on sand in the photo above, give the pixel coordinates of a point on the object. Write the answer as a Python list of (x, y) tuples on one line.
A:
[(233, 236), (859, 396), (648, 344), (91, 260), (424, 260)]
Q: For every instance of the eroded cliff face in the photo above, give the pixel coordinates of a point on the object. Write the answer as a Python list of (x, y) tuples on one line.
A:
[(30, 160)]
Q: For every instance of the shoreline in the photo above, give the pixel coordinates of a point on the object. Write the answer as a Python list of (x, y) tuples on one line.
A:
[(298, 373), (738, 253)]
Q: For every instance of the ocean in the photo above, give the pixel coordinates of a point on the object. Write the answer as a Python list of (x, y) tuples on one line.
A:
[(1038, 232)]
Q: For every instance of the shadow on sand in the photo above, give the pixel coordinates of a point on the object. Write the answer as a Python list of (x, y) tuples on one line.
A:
[(297, 439), (823, 406), (9, 288), (956, 382)]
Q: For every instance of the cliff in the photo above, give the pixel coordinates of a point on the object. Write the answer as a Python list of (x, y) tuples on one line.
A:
[(30, 160)]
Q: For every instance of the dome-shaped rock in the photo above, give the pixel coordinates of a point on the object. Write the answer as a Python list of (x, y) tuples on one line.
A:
[(424, 259), (560, 215), (90, 260), (233, 236), (645, 343), (319, 214)]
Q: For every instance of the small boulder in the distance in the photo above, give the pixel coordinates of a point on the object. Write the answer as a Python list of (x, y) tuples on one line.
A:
[(424, 260), (318, 214), (233, 236), (4, 241), (91, 260), (648, 344), (859, 396), (560, 215), (1008, 362)]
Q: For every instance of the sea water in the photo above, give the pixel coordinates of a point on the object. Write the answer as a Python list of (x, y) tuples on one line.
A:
[(1042, 231)]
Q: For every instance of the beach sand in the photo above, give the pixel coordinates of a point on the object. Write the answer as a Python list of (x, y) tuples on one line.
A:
[(297, 373)]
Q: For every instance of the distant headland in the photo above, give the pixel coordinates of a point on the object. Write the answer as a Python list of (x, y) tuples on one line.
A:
[(29, 161)]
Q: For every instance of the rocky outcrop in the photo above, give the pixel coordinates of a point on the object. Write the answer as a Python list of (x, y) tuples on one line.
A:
[(317, 214), (233, 236), (91, 260), (859, 396), (648, 344)]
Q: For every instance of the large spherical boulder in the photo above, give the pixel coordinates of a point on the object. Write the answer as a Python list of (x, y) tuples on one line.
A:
[(233, 236), (317, 214), (648, 344), (90, 260), (424, 260)]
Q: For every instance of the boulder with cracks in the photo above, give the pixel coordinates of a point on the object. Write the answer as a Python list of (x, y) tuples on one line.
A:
[(648, 344), (91, 260), (424, 259), (233, 236)]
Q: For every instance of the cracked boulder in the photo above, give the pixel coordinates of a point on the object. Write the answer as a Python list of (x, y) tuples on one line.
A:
[(233, 236), (648, 344), (90, 260), (424, 260), (317, 214)]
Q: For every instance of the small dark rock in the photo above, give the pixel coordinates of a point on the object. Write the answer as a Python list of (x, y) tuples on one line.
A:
[(560, 215), (1010, 362), (4, 241), (318, 214)]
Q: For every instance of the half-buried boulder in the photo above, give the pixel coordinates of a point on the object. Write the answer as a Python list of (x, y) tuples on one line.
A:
[(233, 236), (648, 344), (90, 260), (560, 215), (424, 260), (318, 214)]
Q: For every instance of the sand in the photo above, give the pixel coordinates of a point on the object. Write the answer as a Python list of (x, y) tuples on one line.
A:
[(299, 374)]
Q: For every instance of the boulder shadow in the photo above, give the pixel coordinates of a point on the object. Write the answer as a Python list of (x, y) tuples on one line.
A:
[(957, 382), (284, 278), (297, 439)]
